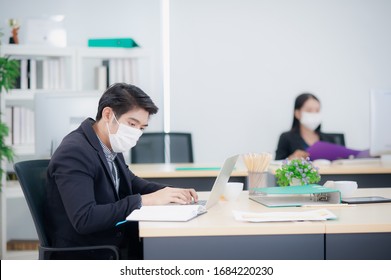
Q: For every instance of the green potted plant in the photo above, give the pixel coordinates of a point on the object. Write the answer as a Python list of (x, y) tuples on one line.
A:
[(9, 72), (297, 172), (6, 151)]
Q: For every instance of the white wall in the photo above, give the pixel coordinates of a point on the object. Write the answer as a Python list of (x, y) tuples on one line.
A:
[(237, 66), (84, 19)]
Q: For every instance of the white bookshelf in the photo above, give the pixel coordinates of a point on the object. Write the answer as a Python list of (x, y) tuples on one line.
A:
[(76, 69), (125, 64), (64, 59)]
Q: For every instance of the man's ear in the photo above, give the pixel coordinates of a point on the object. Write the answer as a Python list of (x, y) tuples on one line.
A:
[(107, 113)]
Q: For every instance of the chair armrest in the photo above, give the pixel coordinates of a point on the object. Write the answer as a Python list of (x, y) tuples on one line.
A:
[(102, 252)]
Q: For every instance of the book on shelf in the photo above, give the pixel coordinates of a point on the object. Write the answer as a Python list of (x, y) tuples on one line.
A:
[(23, 74), (41, 74), (62, 73), (101, 78), (32, 74), (112, 71), (119, 70), (55, 71), (128, 70), (20, 121), (16, 122), (106, 63)]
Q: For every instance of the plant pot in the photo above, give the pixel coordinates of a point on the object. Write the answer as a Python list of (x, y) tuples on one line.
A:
[(295, 182)]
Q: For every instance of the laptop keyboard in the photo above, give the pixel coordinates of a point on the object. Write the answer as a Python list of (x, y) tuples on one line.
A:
[(199, 202)]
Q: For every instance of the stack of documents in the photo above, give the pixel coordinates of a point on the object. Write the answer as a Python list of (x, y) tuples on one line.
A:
[(311, 215)]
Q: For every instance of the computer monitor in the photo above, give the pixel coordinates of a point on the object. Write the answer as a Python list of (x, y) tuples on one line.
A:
[(57, 114), (380, 120)]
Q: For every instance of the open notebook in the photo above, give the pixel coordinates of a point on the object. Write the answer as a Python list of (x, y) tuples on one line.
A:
[(182, 213)]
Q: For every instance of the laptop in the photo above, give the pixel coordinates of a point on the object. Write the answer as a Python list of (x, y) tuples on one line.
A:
[(180, 213), (220, 182)]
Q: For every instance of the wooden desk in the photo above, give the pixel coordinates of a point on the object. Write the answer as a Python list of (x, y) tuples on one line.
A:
[(373, 175), (361, 232), (364, 230), (198, 176), (202, 179)]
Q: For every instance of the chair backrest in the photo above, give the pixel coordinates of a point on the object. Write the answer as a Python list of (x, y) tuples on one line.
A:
[(149, 148), (181, 147), (152, 147), (337, 138), (32, 178)]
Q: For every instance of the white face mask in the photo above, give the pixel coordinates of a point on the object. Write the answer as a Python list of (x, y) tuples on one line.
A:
[(311, 120), (125, 138)]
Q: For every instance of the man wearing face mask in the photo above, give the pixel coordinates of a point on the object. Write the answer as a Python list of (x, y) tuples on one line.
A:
[(305, 129), (90, 188)]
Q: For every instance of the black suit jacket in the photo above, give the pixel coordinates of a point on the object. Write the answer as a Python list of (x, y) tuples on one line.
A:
[(83, 206), (291, 141)]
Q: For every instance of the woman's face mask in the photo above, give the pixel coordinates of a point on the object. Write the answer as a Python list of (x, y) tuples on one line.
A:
[(125, 138), (311, 120)]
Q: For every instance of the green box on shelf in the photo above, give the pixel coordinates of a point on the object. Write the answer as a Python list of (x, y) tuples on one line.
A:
[(113, 43)]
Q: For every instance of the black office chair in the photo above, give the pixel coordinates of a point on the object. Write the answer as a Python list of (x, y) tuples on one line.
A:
[(32, 178), (151, 148), (181, 147), (336, 138)]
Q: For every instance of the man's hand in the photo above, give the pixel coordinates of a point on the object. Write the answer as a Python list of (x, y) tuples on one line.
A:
[(170, 195)]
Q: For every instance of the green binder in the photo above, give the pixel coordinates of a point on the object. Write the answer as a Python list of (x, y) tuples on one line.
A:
[(296, 196), (113, 43), (307, 189)]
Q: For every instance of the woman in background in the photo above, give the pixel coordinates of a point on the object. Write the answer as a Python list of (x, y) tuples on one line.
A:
[(305, 129)]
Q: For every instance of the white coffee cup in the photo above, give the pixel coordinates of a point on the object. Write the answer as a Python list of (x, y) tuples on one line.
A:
[(232, 190), (347, 188)]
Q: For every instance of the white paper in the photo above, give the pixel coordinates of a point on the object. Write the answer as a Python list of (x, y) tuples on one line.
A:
[(311, 215), (170, 213)]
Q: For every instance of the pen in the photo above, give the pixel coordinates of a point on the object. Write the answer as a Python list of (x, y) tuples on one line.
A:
[(329, 205)]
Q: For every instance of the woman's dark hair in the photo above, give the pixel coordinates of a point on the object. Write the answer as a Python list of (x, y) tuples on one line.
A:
[(299, 102), (122, 98)]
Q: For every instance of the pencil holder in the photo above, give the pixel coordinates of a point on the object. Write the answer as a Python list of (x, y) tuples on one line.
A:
[(256, 180), (257, 166)]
